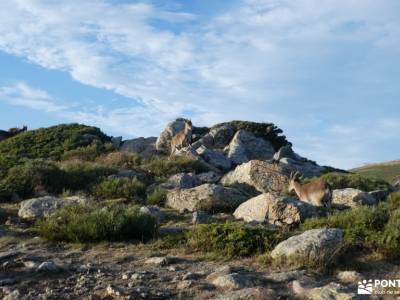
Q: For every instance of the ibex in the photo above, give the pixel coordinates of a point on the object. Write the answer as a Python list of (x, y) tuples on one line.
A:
[(182, 138), (11, 132), (317, 193), (15, 130)]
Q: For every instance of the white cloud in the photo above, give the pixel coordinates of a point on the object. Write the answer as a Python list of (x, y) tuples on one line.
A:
[(21, 94), (251, 62)]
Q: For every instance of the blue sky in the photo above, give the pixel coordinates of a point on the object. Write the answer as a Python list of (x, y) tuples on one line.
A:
[(327, 72)]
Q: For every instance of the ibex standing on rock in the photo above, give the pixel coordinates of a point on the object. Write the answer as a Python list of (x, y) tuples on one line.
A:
[(11, 132), (317, 193), (182, 138)]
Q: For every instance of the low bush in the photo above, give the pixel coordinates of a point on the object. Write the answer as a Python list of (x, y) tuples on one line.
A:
[(230, 240), (88, 153), (165, 167), (158, 197), (360, 225), (341, 181), (51, 142), (81, 175), (170, 241), (82, 224), (6, 163), (33, 177), (113, 188), (120, 159), (371, 228)]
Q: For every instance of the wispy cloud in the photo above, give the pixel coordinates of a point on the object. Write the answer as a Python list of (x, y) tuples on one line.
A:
[(21, 94)]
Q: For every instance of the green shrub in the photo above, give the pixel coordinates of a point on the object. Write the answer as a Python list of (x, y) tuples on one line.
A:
[(360, 225), (373, 228), (50, 142), (120, 159), (231, 240), (88, 153), (170, 241), (267, 131), (341, 181), (393, 201), (81, 224), (165, 167), (113, 188), (82, 175), (390, 238), (158, 197), (33, 177), (6, 163)]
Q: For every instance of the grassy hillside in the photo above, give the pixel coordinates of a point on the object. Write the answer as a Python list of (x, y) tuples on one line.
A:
[(386, 170), (49, 143)]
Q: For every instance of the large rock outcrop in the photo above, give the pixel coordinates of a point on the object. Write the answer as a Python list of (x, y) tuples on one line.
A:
[(139, 145), (36, 208), (275, 209), (316, 247), (181, 181), (245, 146), (286, 156), (346, 198), (207, 197), (263, 176), (221, 135), (218, 138), (208, 177), (214, 158)]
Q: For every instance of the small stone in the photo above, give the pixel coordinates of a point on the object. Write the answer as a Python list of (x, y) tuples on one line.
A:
[(30, 264), (160, 261), (258, 293), (349, 277), (184, 284), (48, 266), (172, 268), (142, 291), (330, 291), (234, 281), (136, 276), (113, 291), (14, 295), (192, 276), (224, 270)]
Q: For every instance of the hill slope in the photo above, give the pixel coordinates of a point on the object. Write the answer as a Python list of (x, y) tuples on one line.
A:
[(387, 170), (51, 142)]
